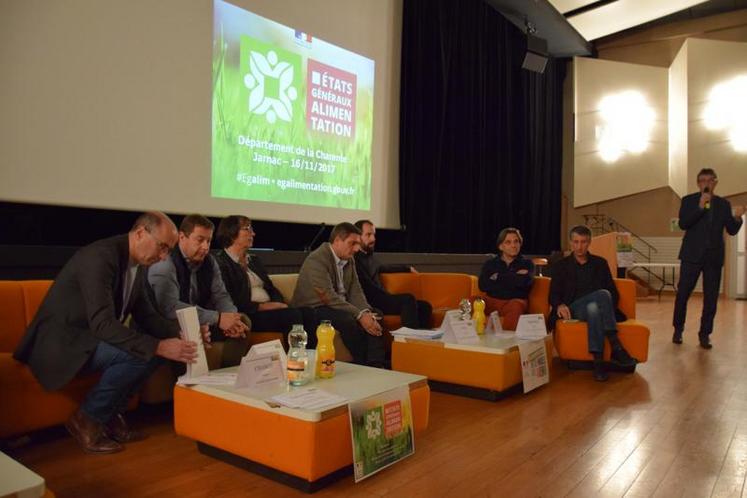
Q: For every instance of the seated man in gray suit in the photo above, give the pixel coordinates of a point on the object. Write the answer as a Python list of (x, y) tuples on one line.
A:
[(190, 277), (79, 327), (328, 283)]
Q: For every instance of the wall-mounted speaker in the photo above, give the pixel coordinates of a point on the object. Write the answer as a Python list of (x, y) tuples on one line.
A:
[(536, 57)]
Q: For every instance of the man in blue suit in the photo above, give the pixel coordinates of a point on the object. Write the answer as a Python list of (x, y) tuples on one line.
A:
[(703, 216)]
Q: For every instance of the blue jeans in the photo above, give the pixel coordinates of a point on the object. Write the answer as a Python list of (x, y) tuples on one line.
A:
[(121, 376), (598, 311)]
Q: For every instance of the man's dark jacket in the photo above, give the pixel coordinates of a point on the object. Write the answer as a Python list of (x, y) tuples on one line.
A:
[(237, 281), (704, 228), (83, 307), (563, 284)]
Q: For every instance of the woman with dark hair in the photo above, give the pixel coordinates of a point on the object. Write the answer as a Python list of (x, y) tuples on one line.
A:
[(249, 284), (507, 279)]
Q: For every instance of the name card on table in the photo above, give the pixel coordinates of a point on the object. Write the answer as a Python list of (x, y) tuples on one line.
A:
[(494, 324), (458, 331), (264, 366), (190, 331), (531, 327)]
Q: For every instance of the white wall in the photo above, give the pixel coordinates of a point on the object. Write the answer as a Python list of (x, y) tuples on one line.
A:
[(594, 179), (680, 143)]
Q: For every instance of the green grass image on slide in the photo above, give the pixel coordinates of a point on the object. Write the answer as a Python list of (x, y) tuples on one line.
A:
[(232, 118)]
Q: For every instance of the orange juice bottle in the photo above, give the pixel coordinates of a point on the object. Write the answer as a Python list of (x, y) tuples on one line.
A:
[(478, 315), (325, 350)]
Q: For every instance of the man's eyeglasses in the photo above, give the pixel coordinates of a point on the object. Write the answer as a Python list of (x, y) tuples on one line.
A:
[(248, 228), (162, 246)]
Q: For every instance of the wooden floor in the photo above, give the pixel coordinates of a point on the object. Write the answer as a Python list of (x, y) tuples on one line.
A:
[(677, 427)]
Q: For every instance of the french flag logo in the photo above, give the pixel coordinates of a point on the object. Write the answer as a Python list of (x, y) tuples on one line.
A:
[(303, 39)]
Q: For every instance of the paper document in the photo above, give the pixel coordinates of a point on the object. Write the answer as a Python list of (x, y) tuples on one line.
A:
[(531, 327), (533, 364), (418, 333), (310, 398), (225, 379), (190, 325)]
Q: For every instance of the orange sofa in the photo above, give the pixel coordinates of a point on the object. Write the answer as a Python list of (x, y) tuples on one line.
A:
[(442, 290), (26, 405), (445, 290)]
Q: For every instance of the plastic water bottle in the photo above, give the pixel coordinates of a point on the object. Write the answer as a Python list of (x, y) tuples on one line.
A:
[(465, 309), (325, 350), (297, 356), (478, 315)]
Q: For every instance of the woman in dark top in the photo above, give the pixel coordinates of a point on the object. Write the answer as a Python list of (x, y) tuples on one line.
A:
[(507, 279), (249, 284)]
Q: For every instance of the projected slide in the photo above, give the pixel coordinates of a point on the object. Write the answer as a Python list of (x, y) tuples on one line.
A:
[(292, 115)]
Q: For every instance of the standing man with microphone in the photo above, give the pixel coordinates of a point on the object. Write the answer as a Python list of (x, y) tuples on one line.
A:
[(703, 216)]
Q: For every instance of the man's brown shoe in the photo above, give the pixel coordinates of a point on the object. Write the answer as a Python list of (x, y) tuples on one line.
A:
[(118, 430), (90, 434)]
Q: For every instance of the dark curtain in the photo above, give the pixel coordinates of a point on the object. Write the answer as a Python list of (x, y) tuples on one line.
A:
[(480, 138)]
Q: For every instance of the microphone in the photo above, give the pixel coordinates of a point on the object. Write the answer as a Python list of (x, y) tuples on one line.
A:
[(316, 237), (707, 205)]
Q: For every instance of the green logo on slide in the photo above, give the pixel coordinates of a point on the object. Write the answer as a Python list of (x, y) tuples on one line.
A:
[(273, 76)]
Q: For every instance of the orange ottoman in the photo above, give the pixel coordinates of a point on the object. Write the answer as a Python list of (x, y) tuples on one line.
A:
[(489, 370), (304, 449)]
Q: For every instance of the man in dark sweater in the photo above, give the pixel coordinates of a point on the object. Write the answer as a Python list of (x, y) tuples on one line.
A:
[(415, 314), (507, 279), (704, 217), (582, 288)]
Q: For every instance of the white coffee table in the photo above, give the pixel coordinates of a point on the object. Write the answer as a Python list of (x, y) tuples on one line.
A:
[(18, 481), (302, 448)]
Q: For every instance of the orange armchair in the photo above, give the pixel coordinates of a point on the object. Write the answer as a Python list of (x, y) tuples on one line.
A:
[(571, 338)]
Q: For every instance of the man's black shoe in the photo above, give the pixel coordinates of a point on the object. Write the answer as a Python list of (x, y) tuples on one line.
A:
[(705, 341), (600, 373), (677, 337), (621, 358)]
